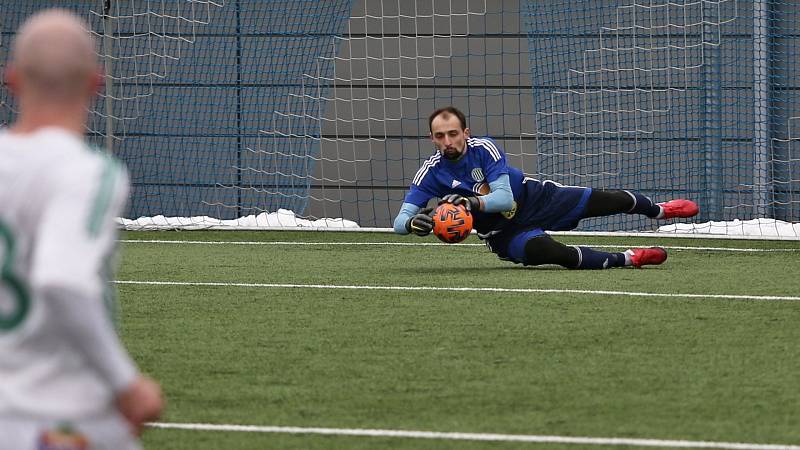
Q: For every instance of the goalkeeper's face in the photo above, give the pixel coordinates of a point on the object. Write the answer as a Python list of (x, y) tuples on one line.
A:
[(448, 137)]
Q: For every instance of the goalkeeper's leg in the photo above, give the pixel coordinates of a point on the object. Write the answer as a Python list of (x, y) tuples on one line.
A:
[(605, 203), (543, 249)]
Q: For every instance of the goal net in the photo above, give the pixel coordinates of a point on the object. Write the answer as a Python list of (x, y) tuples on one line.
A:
[(301, 113)]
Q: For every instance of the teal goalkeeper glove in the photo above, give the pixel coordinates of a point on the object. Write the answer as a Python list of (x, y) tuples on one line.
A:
[(471, 203), (421, 223)]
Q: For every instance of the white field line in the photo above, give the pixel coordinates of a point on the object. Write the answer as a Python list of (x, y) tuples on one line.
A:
[(436, 244), (460, 289), (476, 436)]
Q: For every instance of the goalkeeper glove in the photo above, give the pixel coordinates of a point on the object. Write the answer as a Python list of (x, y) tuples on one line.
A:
[(421, 223), (471, 203)]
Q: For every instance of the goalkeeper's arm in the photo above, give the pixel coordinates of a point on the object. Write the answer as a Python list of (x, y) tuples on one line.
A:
[(500, 198), (413, 219)]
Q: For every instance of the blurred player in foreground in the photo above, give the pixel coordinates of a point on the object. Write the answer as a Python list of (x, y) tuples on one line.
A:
[(66, 382), (512, 212)]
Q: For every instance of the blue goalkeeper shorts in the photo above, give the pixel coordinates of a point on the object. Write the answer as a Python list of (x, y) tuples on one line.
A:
[(549, 206)]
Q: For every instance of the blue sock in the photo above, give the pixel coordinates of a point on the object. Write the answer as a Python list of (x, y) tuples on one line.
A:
[(594, 259), (643, 205)]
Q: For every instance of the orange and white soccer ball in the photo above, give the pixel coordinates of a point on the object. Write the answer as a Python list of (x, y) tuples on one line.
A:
[(451, 223)]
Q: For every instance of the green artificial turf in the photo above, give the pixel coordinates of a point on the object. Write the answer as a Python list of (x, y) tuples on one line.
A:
[(567, 364)]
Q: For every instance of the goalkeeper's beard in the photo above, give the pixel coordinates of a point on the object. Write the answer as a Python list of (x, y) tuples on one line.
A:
[(452, 154)]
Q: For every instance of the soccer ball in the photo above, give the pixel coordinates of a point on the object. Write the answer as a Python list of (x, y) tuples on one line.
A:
[(451, 223)]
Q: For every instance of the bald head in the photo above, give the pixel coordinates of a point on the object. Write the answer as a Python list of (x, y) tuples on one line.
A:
[(53, 59)]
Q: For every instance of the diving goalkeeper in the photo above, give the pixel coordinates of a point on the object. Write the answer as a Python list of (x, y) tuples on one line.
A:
[(513, 212)]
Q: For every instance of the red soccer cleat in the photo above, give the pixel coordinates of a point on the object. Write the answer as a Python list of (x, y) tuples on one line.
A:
[(647, 256), (679, 208)]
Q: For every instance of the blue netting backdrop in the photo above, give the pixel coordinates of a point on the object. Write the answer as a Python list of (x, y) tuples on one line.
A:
[(228, 108), (671, 98), (195, 85)]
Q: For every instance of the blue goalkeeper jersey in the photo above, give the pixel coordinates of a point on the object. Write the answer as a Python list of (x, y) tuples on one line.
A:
[(483, 163)]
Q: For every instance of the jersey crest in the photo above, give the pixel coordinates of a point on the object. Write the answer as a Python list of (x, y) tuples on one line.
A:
[(477, 174)]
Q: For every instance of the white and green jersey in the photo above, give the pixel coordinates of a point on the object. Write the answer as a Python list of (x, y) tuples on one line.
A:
[(59, 354)]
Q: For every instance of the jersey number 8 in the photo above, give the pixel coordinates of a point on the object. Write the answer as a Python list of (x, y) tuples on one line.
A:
[(13, 314)]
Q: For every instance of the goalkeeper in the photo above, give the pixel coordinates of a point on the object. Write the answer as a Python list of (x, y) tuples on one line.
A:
[(511, 211)]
